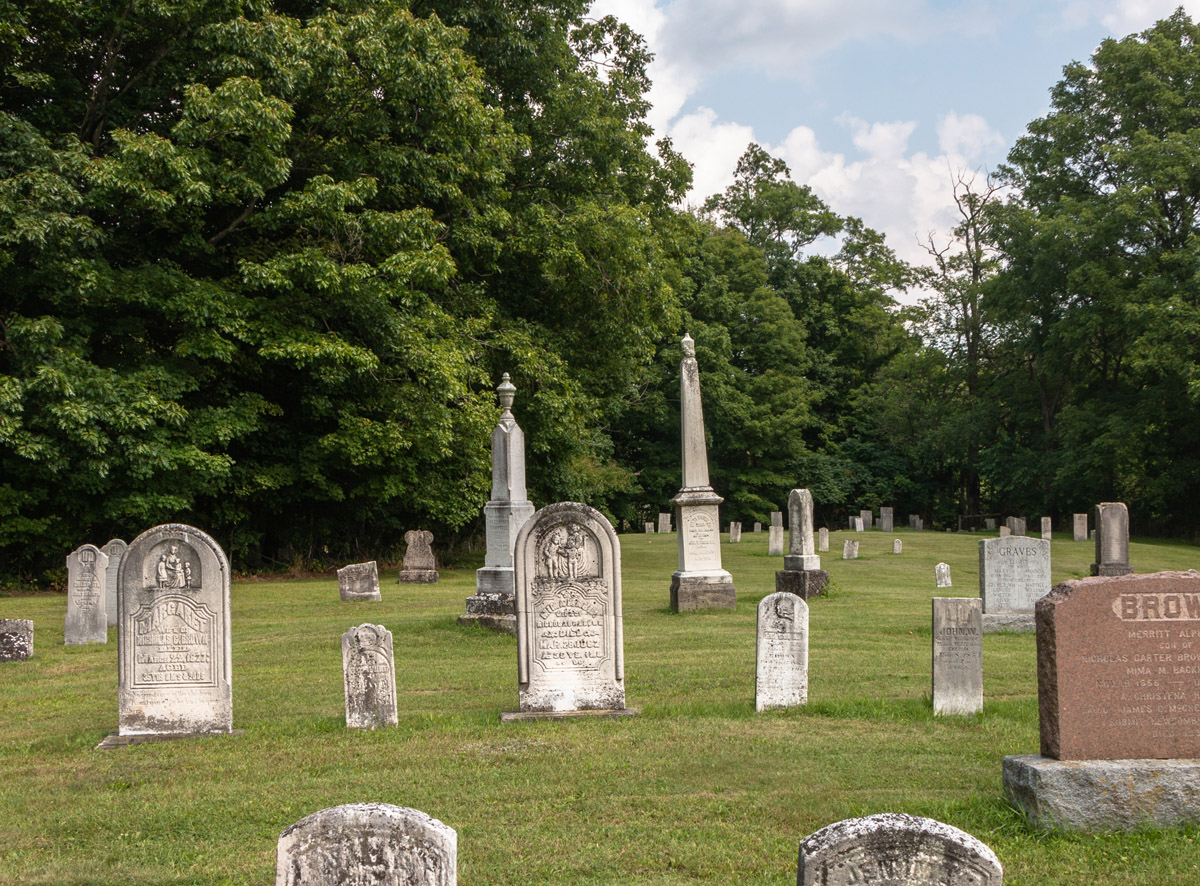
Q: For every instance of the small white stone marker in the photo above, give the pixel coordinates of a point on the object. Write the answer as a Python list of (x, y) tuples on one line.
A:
[(823, 539), (359, 581), (957, 655), (941, 574), (850, 550), (781, 675), (897, 546), (369, 677)]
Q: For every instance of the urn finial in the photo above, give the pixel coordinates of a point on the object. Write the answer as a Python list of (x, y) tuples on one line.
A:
[(506, 389), (689, 346)]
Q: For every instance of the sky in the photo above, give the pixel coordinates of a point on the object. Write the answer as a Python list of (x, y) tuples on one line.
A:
[(875, 104)]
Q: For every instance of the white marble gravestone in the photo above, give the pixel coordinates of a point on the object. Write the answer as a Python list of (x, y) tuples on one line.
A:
[(87, 620), (1047, 530), (897, 546), (664, 521), (419, 565), (367, 844), (359, 581), (115, 551), (649, 528), (735, 533), (857, 524), (1014, 573), (1112, 539), (823, 539), (781, 674), (173, 629), (757, 527), (1079, 527), (867, 517), (774, 541), (887, 520), (941, 574), (369, 677), (957, 655), (1005, 532), (802, 574), (570, 646), (850, 550), (777, 518)]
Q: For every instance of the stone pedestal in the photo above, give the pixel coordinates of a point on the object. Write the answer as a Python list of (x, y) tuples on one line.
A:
[(496, 612), (805, 584), (1010, 622)]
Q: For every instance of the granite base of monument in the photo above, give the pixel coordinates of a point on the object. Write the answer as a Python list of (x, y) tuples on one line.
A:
[(1098, 796), (115, 740), (1111, 570), (513, 716), (418, 576), (1008, 622), (693, 591), (494, 611), (805, 584)]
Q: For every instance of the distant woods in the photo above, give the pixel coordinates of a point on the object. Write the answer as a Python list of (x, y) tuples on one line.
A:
[(264, 263)]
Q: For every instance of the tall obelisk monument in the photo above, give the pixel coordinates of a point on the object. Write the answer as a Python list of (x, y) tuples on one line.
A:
[(700, 582)]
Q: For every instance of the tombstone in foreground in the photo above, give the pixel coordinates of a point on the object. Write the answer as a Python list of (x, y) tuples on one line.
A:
[(823, 539), (941, 575), (849, 550), (115, 551), (735, 533), (359, 581), (419, 565), (1118, 681), (892, 849), (174, 655), (16, 639), (570, 647), (664, 521), (1112, 539), (367, 843), (781, 672), (957, 655), (1014, 573), (887, 520), (369, 677), (87, 620), (802, 574), (699, 582), (897, 546), (1047, 530), (492, 605), (1079, 527)]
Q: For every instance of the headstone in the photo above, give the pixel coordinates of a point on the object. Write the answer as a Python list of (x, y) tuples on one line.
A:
[(867, 518), (735, 533), (570, 651), (650, 528), (802, 574), (1079, 525), (912, 521), (850, 550), (781, 675), (919, 524), (1005, 532), (359, 581), (87, 621), (1014, 573), (941, 574), (775, 541), (1018, 526), (897, 546), (758, 527), (16, 639), (367, 844), (1092, 535), (858, 523), (174, 655), (1046, 530), (777, 518), (1118, 682), (957, 655), (891, 849), (989, 523), (369, 677), (1112, 539), (664, 521), (887, 520), (115, 551), (419, 565), (823, 539)]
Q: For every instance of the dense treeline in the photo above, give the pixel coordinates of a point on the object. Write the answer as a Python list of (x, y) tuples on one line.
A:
[(264, 262)]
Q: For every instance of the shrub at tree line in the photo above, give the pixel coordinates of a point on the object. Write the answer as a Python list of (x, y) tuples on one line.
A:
[(264, 262)]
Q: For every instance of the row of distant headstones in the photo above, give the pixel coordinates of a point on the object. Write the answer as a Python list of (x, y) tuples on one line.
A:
[(865, 520), (386, 844)]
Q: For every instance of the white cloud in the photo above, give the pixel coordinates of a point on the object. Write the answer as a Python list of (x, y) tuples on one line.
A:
[(1122, 17), (968, 137), (712, 147)]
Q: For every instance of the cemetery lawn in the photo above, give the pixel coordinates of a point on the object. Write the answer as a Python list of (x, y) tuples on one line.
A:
[(697, 789)]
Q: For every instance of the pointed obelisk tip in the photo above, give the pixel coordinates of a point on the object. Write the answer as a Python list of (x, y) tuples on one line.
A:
[(507, 390), (689, 346)]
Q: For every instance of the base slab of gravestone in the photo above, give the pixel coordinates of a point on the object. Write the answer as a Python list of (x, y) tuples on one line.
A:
[(805, 584), (695, 591), (496, 612), (514, 716), (16, 639), (115, 740), (1100, 796), (1008, 622)]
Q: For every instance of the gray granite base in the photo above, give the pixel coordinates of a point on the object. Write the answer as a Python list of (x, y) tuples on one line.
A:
[(116, 740), (805, 584), (1008, 622), (1100, 796), (690, 593), (514, 716), (418, 576), (496, 612)]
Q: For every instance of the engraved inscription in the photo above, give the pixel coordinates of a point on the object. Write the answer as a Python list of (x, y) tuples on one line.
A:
[(569, 620), (174, 642), (864, 866), (702, 536), (85, 590)]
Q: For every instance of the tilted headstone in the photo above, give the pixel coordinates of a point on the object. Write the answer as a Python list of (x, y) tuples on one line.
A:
[(115, 551), (16, 639), (850, 521), (957, 655), (891, 849), (1112, 539), (570, 648), (867, 518), (781, 674), (1046, 528), (650, 528), (735, 533), (1079, 527), (758, 527), (1005, 532), (419, 565), (989, 523), (775, 541), (1014, 573), (941, 574), (664, 522), (174, 634), (887, 520), (367, 844), (850, 550), (858, 524), (359, 581), (897, 546), (369, 677), (823, 539), (87, 620), (777, 518)]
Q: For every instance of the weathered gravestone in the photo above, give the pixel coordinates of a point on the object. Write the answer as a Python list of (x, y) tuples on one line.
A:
[(775, 541), (369, 677), (1046, 528), (1005, 532), (802, 574), (570, 647), (16, 639), (758, 527), (781, 674), (941, 575), (87, 621), (174, 657), (115, 551), (1016, 525), (1119, 706), (735, 533), (850, 550), (1079, 527), (989, 523), (359, 581), (777, 518), (650, 528), (897, 546), (957, 655), (858, 524), (823, 539), (367, 844), (891, 849), (419, 565), (1014, 573), (1112, 539), (664, 522), (867, 518), (887, 520)]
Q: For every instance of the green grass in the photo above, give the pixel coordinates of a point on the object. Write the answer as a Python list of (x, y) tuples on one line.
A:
[(698, 789)]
